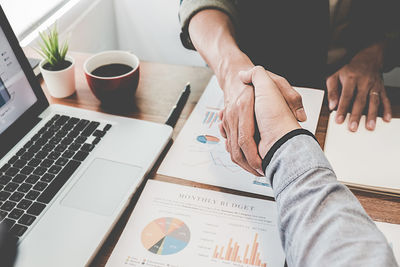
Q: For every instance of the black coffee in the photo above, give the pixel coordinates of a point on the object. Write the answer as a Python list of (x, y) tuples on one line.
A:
[(111, 70)]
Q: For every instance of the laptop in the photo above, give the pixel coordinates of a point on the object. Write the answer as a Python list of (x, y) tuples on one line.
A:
[(66, 174)]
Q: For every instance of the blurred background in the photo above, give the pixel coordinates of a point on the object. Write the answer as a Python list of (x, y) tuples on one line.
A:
[(149, 28)]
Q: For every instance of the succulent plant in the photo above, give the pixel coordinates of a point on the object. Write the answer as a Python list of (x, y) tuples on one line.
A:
[(50, 49)]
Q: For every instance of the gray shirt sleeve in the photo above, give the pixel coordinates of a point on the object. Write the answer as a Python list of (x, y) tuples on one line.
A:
[(321, 222)]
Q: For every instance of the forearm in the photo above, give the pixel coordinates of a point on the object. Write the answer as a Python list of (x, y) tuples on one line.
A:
[(320, 220), (212, 34)]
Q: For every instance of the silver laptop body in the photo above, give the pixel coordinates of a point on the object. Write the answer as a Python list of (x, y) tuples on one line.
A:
[(118, 153)]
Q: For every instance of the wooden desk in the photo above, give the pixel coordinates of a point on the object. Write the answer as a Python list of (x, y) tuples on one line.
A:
[(159, 87)]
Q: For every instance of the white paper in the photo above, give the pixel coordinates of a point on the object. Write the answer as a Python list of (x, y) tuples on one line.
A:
[(365, 157), (180, 226), (392, 234), (208, 162)]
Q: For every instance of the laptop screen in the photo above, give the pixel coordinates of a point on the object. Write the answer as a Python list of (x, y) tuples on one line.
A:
[(16, 94)]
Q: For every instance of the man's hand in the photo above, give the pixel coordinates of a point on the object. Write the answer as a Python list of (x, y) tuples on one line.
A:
[(273, 115), (361, 79), (238, 125)]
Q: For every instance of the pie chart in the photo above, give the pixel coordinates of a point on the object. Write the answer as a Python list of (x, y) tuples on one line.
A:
[(165, 236), (208, 139)]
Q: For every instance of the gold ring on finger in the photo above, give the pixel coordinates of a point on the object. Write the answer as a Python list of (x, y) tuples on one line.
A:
[(374, 93)]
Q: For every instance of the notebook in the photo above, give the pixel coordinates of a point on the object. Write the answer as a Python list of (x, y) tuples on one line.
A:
[(367, 160)]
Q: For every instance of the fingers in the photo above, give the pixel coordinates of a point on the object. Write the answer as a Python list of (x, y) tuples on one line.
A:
[(372, 110), (292, 97), (246, 140), (243, 128), (246, 76), (222, 130), (332, 85), (348, 85), (377, 96), (226, 132), (358, 107), (373, 106), (387, 109), (258, 77), (239, 130), (220, 125)]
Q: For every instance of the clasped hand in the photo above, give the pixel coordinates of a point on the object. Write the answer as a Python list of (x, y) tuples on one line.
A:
[(268, 100)]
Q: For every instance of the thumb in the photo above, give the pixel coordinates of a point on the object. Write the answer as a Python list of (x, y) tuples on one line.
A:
[(246, 76), (257, 76)]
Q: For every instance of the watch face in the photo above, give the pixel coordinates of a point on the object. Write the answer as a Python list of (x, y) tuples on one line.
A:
[(4, 94)]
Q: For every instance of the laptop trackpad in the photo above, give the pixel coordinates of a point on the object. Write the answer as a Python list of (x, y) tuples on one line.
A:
[(102, 186)]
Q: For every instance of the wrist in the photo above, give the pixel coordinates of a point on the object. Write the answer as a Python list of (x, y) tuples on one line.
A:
[(227, 71), (231, 62), (269, 138), (290, 157), (373, 55)]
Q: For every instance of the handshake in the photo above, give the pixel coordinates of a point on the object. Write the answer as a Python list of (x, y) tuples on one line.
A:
[(262, 105)]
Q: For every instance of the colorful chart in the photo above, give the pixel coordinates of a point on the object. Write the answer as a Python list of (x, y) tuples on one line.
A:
[(165, 236), (232, 251), (207, 139), (210, 117)]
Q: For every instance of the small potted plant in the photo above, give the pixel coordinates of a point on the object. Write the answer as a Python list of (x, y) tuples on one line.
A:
[(56, 67)]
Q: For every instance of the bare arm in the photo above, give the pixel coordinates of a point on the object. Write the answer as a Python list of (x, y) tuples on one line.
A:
[(212, 34)]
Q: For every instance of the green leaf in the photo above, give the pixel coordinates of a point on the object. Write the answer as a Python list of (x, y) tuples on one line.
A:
[(64, 50), (50, 48)]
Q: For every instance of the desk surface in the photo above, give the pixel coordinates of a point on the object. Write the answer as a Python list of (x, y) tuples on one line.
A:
[(159, 87)]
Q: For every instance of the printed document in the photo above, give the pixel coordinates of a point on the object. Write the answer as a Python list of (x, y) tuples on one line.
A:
[(180, 226)]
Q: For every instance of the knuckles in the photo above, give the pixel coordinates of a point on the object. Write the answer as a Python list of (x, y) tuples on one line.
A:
[(243, 140), (280, 80), (258, 68), (235, 156), (371, 83), (294, 97), (351, 76)]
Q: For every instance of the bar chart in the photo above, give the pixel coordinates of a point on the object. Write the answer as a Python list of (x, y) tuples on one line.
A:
[(232, 252), (211, 117)]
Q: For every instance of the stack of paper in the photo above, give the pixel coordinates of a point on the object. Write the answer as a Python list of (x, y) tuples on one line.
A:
[(365, 159), (392, 234)]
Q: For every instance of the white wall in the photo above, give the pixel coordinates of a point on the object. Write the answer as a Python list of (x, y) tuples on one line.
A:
[(150, 28), (89, 26), (94, 29)]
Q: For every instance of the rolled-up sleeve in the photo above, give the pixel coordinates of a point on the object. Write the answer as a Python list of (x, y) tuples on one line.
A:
[(189, 8)]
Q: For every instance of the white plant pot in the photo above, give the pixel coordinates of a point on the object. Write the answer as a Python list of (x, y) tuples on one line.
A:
[(59, 83)]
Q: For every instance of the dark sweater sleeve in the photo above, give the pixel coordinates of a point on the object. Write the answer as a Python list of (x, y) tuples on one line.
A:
[(373, 21), (189, 8), (392, 36)]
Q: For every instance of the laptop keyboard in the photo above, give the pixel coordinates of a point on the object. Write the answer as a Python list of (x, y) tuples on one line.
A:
[(34, 175)]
